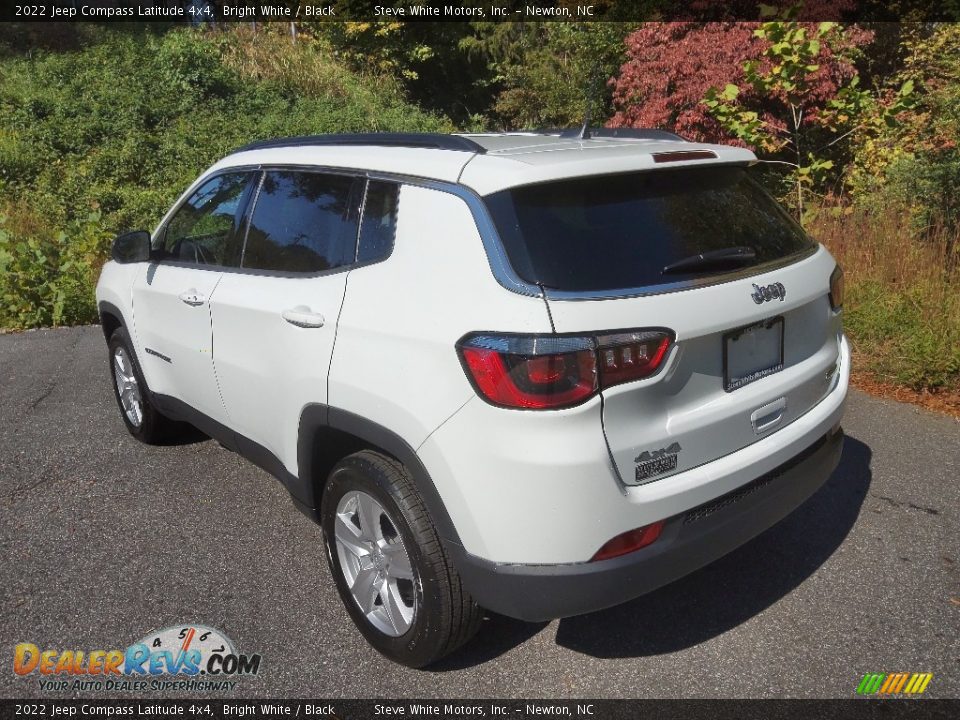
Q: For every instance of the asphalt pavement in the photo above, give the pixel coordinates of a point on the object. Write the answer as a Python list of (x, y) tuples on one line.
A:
[(104, 539)]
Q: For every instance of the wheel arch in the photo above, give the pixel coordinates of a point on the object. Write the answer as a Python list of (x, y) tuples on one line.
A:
[(329, 434), (111, 318)]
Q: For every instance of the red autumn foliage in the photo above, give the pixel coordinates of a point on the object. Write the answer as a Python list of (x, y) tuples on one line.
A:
[(670, 67)]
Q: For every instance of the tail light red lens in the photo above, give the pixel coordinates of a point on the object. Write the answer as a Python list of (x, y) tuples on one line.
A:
[(629, 541), (836, 288), (533, 373), (550, 372)]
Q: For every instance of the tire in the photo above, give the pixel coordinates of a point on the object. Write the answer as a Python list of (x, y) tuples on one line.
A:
[(416, 612), (146, 424)]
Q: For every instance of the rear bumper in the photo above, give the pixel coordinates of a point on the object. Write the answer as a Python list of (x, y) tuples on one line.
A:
[(688, 542)]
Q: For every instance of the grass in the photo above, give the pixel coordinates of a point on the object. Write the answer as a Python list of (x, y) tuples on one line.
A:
[(902, 298)]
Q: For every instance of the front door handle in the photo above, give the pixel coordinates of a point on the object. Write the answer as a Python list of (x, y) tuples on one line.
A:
[(193, 298), (302, 316)]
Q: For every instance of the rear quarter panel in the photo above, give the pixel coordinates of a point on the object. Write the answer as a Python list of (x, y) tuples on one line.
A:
[(394, 361)]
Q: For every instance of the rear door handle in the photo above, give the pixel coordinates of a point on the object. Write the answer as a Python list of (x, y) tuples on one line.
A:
[(193, 298), (302, 316)]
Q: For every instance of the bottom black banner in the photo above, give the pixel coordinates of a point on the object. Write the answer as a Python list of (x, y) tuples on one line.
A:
[(917, 709)]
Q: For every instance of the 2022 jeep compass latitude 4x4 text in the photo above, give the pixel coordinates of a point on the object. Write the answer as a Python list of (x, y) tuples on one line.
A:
[(537, 373)]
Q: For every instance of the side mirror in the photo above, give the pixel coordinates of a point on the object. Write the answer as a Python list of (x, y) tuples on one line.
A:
[(131, 247)]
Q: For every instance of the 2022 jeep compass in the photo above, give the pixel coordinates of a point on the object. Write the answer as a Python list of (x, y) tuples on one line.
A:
[(537, 373)]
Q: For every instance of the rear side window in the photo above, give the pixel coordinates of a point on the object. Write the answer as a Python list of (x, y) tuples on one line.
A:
[(302, 223), (619, 232), (379, 225), (205, 229)]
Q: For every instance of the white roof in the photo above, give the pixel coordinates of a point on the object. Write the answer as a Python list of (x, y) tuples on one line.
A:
[(510, 160)]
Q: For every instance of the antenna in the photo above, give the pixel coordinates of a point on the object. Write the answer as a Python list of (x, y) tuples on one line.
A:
[(591, 93), (585, 128)]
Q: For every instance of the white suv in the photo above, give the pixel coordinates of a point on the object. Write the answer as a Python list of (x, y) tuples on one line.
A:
[(537, 373)]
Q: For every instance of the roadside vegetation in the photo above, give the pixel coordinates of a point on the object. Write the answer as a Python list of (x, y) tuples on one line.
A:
[(902, 304), (103, 137), (857, 127)]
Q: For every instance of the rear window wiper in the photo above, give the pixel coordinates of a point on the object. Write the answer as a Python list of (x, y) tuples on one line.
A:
[(713, 260)]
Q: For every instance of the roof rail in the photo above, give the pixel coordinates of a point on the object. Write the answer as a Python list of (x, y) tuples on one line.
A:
[(627, 133), (437, 141)]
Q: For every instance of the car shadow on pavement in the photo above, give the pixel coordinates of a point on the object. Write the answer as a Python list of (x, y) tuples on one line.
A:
[(497, 636), (712, 600), (730, 591), (184, 435)]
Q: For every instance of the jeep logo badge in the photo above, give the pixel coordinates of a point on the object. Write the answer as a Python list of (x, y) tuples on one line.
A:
[(771, 291)]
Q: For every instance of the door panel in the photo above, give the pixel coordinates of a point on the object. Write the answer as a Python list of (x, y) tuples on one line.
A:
[(275, 322), (171, 299), (274, 338), (171, 307)]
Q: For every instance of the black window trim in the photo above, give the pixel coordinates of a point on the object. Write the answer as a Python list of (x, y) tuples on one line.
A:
[(500, 266), (362, 210), (357, 205)]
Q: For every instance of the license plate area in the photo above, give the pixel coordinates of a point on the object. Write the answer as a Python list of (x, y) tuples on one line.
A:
[(752, 352)]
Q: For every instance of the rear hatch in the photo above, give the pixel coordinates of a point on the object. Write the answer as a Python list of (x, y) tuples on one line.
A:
[(705, 253)]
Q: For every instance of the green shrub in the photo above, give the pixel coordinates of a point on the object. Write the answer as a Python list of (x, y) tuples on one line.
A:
[(48, 278), (119, 126)]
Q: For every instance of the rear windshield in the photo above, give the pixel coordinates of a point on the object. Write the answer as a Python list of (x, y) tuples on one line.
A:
[(616, 232)]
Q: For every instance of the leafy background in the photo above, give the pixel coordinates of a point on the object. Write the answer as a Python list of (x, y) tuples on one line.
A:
[(102, 127)]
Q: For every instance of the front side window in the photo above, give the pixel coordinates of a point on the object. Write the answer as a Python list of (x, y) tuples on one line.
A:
[(302, 222), (205, 229)]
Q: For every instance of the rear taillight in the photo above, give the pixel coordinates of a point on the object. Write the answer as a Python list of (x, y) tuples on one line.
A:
[(555, 371), (836, 288), (629, 542), (530, 372), (630, 356)]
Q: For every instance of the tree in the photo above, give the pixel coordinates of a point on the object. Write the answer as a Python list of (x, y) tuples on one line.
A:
[(783, 88), (801, 117), (546, 74), (669, 69), (915, 163), (671, 66)]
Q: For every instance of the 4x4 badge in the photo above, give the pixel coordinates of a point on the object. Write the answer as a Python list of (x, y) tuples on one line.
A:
[(656, 462), (768, 292)]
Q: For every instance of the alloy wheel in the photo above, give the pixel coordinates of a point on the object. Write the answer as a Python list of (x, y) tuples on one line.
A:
[(375, 563)]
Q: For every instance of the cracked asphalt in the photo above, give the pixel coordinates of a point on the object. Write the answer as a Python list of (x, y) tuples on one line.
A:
[(104, 540)]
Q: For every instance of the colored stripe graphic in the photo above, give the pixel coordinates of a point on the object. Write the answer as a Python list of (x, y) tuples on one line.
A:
[(870, 683), (922, 682), (894, 683)]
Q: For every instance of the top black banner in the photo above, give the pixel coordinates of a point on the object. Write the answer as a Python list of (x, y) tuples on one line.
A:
[(200, 12)]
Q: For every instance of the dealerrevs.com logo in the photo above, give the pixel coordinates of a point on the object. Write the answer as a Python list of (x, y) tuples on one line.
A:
[(182, 657)]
